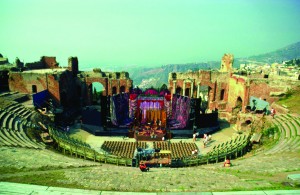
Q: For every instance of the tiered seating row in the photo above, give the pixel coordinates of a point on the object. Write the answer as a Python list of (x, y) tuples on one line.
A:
[(178, 150), (229, 148), (79, 149), (19, 110), (296, 123), (13, 119), (289, 140), (70, 140), (14, 138), (122, 149)]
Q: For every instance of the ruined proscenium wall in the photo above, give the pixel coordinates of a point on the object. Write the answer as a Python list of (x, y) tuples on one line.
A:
[(22, 82), (89, 80), (217, 81), (109, 80), (237, 87)]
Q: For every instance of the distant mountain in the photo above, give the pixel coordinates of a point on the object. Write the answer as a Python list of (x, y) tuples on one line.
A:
[(156, 76), (284, 54)]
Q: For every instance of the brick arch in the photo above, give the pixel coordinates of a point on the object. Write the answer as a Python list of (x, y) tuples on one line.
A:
[(178, 90), (239, 102), (122, 89), (90, 81), (91, 92)]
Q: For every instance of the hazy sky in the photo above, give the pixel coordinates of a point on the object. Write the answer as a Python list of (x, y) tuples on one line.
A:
[(119, 33)]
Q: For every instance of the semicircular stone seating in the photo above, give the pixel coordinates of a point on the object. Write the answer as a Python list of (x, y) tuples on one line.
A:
[(288, 135), (13, 118)]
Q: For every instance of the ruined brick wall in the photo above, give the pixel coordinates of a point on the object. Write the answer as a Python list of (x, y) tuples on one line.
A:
[(109, 80), (24, 82), (49, 62), (44, 63), (226, 63), (261, 88), (264, 88), (4, 80), (237, 88), (34, 65), (73, 65), (52, 85), (69, 90), (216, 81)]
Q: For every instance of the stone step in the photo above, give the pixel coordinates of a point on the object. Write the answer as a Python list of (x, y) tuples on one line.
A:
[(28, 114), (4, 139), (281, 129), (297, 123), (17, 109), (7, 138), (289, 121), (284, 126), (289, 144), (4, 118), (10, 122), (16, 138), (29, 143), (2, 113), (11, 107), (292, 144)]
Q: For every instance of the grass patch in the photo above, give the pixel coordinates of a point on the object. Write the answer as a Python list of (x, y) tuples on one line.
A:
[(291, 100), (54, 178)]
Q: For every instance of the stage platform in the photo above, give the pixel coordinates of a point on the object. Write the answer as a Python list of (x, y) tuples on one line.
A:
[(175, 133), (101, 131)]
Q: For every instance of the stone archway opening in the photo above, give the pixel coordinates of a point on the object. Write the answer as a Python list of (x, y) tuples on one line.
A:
[(238, 106), (114, 90), (122, 89), (204, 95), (34, 89), (222, 94), (96, 91), (178, 91), (187, 92), (239, 102)]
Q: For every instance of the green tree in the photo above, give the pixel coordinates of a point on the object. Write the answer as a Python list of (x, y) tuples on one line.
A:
[(163, 87)]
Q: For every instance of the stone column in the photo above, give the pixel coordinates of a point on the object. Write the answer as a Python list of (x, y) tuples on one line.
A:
[(174, 86), (110, 87), (198, 90), (192, 89), (183, 90)]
